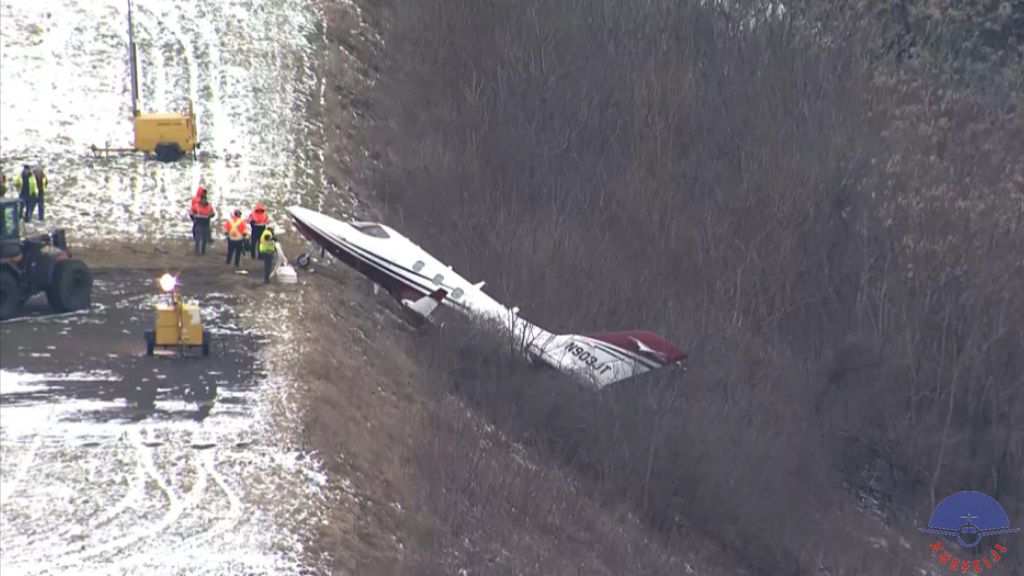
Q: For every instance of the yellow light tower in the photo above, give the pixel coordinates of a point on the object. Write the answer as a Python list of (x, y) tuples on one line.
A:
[(178, 324)]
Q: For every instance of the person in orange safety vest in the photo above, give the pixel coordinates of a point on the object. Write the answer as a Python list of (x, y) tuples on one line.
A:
[(258, 220), (202, 214), (237, 231), (201, 193)]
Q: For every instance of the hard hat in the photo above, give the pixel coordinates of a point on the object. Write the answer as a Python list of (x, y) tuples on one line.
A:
[(259, 207)]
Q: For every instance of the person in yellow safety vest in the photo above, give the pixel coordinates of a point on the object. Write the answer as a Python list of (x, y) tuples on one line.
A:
[(237, 231), (268, 251), (25, 183), (41, 186)]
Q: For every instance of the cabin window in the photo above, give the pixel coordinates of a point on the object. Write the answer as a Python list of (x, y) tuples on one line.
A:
[(418, 266), (371, 229), (457, 293), (438, 279)]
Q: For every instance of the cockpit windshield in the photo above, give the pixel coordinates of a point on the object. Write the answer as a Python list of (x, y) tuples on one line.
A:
[(371, 229)]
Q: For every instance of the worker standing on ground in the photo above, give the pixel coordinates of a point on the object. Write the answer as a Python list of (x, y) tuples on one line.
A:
[(25, 182), (268, 251), (200, 193), (202, 216), (192, 209), (41, 184), (237, 231), (258, 220)]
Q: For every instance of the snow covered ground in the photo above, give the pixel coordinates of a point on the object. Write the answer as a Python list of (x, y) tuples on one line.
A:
[(91, 483), (248, 66)]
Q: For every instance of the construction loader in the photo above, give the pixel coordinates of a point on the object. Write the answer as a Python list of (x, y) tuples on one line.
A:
[(40, 263)]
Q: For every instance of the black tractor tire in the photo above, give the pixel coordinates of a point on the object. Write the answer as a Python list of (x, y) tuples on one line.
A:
[(206, 343), (10, 294), (150, 342), (71, 288), (168, 152)]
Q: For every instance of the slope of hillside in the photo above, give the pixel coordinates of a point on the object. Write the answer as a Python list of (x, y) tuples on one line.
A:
[(420, 483), (822, 207)]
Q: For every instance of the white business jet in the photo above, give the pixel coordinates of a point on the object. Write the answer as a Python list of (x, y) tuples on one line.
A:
[(421, 283)]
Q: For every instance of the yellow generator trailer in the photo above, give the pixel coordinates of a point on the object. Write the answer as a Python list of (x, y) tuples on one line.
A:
[(167, 135), (178, 324)]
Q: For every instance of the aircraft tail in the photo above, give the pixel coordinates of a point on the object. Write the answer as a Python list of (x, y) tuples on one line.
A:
[(607, 357)]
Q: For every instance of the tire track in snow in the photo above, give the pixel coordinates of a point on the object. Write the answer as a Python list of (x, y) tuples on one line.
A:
[(136, 490), (175, 21), (234, 514), (11, 487), (214, 78), (152, 97), (175, 508), (172, 29)]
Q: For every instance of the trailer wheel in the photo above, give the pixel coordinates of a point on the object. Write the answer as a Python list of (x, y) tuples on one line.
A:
[(150, 342), (71, 288), (168, 152), (10, 294), (303, 260)]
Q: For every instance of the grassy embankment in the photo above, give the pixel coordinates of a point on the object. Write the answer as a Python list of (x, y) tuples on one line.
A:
[(824, 207)]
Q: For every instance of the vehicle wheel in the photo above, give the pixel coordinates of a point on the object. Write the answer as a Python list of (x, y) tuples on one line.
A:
[(150, 342), (168, 152), (10, 294), (303, 260), (71, 288), (206, 343)]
